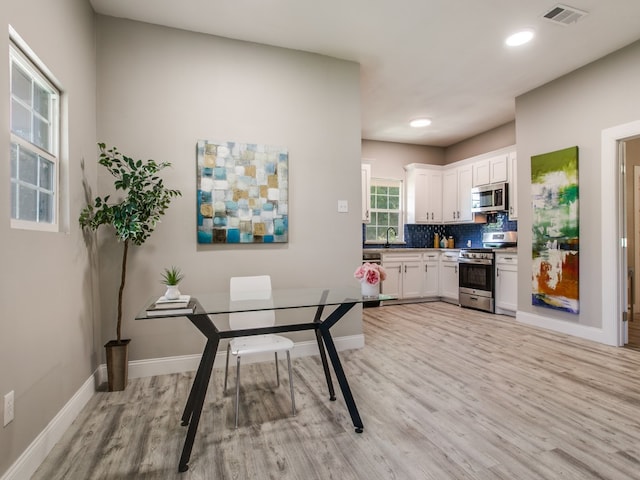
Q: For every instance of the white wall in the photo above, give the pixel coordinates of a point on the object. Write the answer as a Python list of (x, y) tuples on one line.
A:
[(574, 110), (159, 91), (48, 342)]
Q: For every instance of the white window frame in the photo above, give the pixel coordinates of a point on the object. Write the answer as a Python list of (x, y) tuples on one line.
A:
[(388, 182), (21, 55)]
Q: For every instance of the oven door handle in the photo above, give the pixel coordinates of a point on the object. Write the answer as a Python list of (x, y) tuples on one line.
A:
[(475, 261)]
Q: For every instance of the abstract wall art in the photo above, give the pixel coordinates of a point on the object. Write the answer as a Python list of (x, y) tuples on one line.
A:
[(242, 193), (555, 243)]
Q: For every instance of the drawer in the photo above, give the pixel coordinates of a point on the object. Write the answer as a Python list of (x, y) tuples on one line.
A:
[(506, 259)]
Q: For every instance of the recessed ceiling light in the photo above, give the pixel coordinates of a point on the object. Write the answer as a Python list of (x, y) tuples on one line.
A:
[(519, 38), (420, 122)]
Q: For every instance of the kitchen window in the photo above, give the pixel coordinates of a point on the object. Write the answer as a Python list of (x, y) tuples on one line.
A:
[(34, 156), (386, 210)]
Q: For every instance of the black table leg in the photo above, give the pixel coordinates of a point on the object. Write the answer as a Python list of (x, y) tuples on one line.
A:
[(325, 366), (342, 380), (198, 379), (200, 392)]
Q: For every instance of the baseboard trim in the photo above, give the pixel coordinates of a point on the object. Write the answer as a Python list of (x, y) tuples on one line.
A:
[(26, 465), (29, 461), (583, 331)]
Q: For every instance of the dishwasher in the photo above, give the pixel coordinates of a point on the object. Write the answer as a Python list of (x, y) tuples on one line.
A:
[(372, 257)]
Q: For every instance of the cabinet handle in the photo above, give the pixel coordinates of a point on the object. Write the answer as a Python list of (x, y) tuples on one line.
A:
[(497, 272), (399, 268), (426, 268), (405, 269), (456, 269)]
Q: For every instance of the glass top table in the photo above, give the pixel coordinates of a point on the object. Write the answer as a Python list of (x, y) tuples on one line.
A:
[(211, 319)]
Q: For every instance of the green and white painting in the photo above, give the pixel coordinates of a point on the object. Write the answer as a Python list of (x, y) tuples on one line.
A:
[(555, 244)]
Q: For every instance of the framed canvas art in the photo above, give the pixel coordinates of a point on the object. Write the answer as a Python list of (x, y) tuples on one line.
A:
[(555, 243), (242, 192)]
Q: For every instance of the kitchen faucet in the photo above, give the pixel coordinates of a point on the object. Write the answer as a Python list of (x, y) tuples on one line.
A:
[(387, 245)]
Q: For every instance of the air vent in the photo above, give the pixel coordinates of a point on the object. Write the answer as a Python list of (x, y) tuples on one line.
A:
[(564, 15)]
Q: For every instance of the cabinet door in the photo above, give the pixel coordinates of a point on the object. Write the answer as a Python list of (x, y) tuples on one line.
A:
[(393, 283), (366, 192), (465, 183), (449, 280), (481, 173), (422, 208), (411, 280), (498, 169), (431, 275), (513, 186), (435, 196), (450, 209), (506, 284)]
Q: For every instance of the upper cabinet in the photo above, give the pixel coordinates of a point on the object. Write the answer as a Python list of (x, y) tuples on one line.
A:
[(491, 170), (424, 194), (366, 192), (456, 194), (513, 186)]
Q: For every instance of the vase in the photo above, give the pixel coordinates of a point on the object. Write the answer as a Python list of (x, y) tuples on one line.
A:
[(370, 290), (172, 292)]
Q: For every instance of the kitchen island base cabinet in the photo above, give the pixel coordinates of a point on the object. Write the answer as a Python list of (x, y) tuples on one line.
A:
[(506, 283)]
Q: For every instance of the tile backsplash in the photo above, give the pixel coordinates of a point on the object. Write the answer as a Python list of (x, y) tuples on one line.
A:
[(421, 236)]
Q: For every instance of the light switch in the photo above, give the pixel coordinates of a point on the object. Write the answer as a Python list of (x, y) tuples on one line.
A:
[(343, 206)]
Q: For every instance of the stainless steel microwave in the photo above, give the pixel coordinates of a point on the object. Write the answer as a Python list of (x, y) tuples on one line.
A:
[(489, 198)]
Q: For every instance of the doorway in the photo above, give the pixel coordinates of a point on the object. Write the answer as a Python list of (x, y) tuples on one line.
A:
[(630, 152)]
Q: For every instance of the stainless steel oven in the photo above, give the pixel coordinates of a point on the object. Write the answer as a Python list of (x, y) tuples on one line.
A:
[(476, 279)]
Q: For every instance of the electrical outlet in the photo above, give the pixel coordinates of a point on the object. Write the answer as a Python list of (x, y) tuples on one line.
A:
[(343, 206), (8, 408)]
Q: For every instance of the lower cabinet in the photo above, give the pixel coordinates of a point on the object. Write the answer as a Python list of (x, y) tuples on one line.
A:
[(449, 277), (506, 300), (430, 285), (412, 275), (404, 275)]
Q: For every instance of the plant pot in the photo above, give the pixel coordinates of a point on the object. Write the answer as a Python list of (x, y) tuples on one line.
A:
[(172, 292), (117, 364), (370, 290)]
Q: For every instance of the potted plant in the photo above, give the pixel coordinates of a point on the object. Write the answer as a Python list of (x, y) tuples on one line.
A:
[(133, 218), (171, 277)]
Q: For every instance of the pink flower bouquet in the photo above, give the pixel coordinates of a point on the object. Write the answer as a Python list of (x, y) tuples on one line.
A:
[(372, 273)]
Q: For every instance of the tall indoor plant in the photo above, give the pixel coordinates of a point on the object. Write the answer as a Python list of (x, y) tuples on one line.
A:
[(133, 218)]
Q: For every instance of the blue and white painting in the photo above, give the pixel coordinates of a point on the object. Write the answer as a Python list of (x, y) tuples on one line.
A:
[(242, 191)]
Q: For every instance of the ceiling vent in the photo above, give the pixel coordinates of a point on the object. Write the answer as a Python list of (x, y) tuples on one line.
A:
[(564, 15)]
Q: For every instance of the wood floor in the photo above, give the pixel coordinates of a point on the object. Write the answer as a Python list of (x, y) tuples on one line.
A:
[(444, 393)]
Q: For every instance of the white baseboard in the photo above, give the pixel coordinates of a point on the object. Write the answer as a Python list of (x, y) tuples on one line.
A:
[(563, 326), (26, 465)]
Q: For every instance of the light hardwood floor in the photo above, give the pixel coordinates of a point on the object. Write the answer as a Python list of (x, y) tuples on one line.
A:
[(444, 393)]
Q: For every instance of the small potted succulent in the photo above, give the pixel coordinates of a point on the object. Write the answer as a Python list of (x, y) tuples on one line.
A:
[(171, 277)]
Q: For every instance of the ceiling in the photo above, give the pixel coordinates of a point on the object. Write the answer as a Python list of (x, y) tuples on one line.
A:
[(443, 59)]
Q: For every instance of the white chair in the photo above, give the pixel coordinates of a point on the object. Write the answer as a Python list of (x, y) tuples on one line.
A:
[(255, 288)]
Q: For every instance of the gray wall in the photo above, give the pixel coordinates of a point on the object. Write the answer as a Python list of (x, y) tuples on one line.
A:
[(388, 159), (494, 139), (159, 91), (48, 341), (574, 110)]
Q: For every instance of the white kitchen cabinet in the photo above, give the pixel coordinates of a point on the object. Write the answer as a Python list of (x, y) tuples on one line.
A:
[(404, 275), (506, 300), (456, 194), (513, 186), (366, 192), (424, 194), (448, 291), (491, 170), (431, 274)]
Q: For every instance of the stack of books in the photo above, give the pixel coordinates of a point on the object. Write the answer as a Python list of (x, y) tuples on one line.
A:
[(163, 306)]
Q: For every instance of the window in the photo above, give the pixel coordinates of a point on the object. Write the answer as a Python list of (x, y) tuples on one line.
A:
[(386, 210), (35, 121)]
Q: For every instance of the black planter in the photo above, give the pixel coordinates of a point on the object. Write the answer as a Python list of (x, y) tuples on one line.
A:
[(117, 364)]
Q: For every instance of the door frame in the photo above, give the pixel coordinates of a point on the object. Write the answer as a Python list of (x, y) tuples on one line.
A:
[(613, 274)]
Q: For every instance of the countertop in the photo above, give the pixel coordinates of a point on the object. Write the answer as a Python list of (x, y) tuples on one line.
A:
[(426, 249)]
